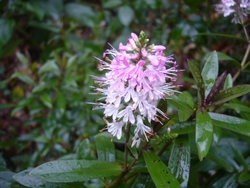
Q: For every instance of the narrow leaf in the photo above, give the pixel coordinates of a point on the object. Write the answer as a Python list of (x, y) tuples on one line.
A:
[(183, 127), (125, 14), (228, 82), (179, 161), (235, 124), (187, 97), (180, 104), (61, 102), (75, 170), (198, 79), (23, 59), (23, 77), (46, 100), (143, 181), (160, 174), (105, 148), (230, 94), (84, 150), (203, 133), (210, 72)]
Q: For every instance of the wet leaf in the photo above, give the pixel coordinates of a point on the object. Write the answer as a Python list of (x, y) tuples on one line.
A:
[(180, 104), (187, 97), (160, 174), (125, 14), (84, 150), (105, 148), (143, 181), (203, 133), (198, 79), (46, 100), (231, 123), (75, 170), (210, 72), (230, 94), (179, 161), (183, 127)]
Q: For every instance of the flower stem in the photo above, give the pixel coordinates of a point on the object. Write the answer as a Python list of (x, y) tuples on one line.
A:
[(246, 53), (126, 148)]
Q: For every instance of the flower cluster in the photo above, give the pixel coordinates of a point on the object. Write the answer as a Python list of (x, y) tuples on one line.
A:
[(237, 7), (138, 76)]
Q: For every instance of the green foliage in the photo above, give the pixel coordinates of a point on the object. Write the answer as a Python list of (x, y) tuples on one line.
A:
[(47, 51)]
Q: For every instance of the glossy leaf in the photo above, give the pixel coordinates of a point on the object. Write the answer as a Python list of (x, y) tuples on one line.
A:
[(81, 13), (143, 180), (217, 134), (75, 170), (49, 67), (237, 107), (244, 176), (23, 59), (125, 14), (183, 127), (105, 148), (23, 77), (231, 123), (187, 97), (228, 82), (230, 94), (210, 72), (198, 79), (84, 150), (160, 174), (180, 104), (46, 100), (203, 133), (179, 161), (61, 102), (26, 180), (6, 179), (7, 27)]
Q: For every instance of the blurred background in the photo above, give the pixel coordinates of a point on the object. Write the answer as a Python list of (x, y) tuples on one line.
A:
[(47, 54)]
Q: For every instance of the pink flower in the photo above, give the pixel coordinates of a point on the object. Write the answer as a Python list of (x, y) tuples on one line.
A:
[(136, 80), (237, 7)]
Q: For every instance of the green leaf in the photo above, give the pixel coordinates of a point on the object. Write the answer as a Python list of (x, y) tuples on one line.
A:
[(183, 127), (50, 66), (143, 180), (180, 104), (230, 94), (237, 107), (23, 59), (6, 31), (217, 134), (111, 3), (84, 150), (75, 170), (46, 100), (26, 180), (210, 72), (224, 35), (235, 124), (187, 97), (71, 61), (244, 176), (198, 79), (160, 174), (61, 102), (105, 148), (203, 133), (81, 13), (6, 179), (23, 77), (179, 161), (125, 15), (229, 82)]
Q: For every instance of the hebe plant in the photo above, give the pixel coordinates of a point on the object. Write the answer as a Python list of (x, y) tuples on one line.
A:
[(197, 134)]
